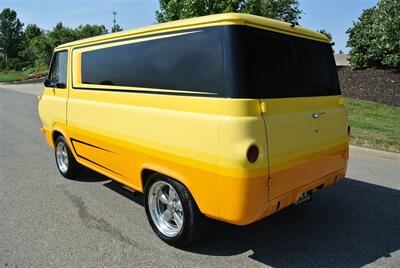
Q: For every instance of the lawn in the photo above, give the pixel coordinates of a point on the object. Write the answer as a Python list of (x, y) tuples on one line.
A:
[(8, 76), (374, 125)]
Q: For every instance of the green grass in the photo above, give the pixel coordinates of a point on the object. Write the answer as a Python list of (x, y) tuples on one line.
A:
[(374, 125), (8, 76)]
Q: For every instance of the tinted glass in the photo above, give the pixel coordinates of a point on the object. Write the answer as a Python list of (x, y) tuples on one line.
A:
[(58, 68), (275, 65), (190, 62), (316, 67), (286, 66)]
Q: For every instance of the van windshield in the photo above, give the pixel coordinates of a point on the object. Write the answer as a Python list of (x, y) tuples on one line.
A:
[(286, 66)]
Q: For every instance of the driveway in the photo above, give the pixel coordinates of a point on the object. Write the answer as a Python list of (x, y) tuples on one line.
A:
[(46, 220)]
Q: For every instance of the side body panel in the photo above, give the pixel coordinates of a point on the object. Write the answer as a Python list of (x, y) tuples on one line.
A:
[(122, 134)]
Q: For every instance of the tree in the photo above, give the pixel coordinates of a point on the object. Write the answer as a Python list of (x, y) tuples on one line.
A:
[(86, 31), (42, 46), (181, 9), (61, 35), (326, 33), (387, 21), (374, 38), (26, 53), (41, 49), (362, 41), (285, 10), (116, 28), (31, 31), (11, 34)]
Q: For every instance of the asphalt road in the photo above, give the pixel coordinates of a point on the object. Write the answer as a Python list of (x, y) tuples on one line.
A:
[(46, 220)]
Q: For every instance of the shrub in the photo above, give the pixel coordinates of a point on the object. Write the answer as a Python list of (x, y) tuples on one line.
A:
[(16, 64), (3, 64), (375, 38)]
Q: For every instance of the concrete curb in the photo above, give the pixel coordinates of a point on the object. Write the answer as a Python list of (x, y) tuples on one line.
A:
[(29, 81), (374, 153)]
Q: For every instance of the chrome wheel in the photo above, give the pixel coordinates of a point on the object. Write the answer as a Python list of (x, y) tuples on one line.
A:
[(165, 208), (62, 157)]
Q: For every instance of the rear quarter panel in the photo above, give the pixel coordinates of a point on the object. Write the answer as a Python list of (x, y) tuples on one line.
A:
[(174, 135)]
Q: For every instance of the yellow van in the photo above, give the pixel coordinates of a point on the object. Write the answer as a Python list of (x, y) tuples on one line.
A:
[(231, 117)]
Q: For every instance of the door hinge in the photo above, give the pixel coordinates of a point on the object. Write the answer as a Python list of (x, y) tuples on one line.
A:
[(263, 107), (270, 183)]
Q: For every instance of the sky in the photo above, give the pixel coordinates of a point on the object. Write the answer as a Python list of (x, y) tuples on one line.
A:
[(335, 16)]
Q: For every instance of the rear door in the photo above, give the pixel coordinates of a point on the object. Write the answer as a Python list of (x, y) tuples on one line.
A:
[(288, 121), (319, 78), (331, 137), (296, 80)]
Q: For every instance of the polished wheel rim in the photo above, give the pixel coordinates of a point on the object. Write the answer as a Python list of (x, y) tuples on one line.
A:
[(62, 157), (165, 208)]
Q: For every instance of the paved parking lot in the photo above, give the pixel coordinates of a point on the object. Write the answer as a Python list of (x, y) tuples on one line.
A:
[(46, 220)]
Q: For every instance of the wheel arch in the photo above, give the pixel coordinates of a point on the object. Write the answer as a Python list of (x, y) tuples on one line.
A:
[(59, 130), (150, 169), (56, 131), (55, 134)]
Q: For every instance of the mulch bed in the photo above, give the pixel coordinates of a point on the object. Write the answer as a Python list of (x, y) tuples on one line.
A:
[(377, 85)]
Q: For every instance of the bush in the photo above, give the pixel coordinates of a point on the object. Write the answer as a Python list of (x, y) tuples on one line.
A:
[(375, 38), (3, 64), (16, 64)]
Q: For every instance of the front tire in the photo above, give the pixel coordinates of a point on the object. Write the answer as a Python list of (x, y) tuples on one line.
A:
[(172, 211), (66, 163)]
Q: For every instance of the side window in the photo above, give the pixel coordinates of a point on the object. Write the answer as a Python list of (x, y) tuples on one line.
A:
[(187, 62), (58, 69)]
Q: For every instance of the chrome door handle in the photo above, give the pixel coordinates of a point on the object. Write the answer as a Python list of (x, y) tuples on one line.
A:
[(316, 115)]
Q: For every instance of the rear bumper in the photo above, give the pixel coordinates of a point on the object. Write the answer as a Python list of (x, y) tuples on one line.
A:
[(290, 198), (252, 208)]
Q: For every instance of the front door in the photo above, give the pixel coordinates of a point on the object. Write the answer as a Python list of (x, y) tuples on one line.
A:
[(56, 94)]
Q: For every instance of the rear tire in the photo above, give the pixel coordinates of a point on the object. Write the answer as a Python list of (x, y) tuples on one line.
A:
[(66, 163), (172, 211)]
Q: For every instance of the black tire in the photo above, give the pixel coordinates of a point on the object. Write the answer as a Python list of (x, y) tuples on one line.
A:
[(194, 222), (73, 169)]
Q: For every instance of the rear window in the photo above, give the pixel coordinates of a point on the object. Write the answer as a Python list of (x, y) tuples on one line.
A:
[(286, 66), (275, 65), (316, 66), (190, 62)]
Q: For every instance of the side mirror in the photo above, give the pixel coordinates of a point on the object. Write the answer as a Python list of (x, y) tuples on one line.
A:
[(48, 83), (59, 85)]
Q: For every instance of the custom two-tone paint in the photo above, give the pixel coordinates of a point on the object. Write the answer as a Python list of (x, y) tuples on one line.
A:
[(240, 152)]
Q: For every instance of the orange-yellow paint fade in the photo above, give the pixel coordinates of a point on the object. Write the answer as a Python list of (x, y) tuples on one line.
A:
[(235, 199)]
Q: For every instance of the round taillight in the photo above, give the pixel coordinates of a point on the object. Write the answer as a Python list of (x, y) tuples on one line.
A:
[(252, 153)]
